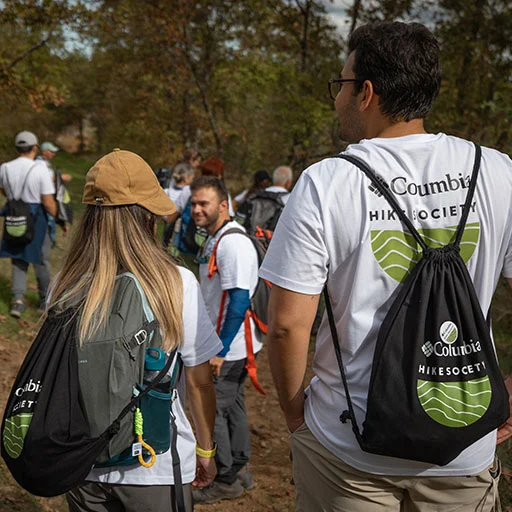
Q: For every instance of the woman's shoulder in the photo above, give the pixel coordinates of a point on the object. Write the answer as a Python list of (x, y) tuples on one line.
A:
[(187, 277)]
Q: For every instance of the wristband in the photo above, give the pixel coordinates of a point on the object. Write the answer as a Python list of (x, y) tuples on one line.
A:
[(207, 454)]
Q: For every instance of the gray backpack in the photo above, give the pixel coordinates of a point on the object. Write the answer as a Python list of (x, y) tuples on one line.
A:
[(114, 360)]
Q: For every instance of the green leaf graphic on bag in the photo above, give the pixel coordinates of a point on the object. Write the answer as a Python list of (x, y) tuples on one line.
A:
[(397, 252), (443, 393), (455, 404), (16, 428)]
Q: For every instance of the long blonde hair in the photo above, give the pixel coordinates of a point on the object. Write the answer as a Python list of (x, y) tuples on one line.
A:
[(111, 240)]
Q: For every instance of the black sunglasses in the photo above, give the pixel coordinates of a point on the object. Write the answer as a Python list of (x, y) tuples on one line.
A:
[(335, 85)]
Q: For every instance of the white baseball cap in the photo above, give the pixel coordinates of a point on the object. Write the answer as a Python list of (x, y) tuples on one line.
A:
[(26, 139)]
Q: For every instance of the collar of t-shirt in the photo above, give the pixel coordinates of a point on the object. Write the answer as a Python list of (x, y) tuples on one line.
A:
[(277, 188)]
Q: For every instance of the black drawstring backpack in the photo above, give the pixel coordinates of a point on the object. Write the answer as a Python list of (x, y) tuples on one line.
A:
[(46, 441), (435, 386)]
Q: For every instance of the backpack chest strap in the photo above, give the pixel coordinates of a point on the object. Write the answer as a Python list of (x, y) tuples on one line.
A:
[(141, 336)]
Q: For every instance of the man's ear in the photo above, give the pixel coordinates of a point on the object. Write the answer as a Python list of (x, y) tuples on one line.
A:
[(224, 205), (368, 95)]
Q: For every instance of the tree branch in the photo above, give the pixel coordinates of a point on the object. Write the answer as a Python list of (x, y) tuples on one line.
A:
[(27, 52)]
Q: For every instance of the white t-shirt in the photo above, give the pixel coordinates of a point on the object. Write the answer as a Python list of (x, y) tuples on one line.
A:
[(174, 192), (332, 227), (182, 197), (200, 343), (284, 196), (48, 166), (237, 263), (240, 198), (38, 183)]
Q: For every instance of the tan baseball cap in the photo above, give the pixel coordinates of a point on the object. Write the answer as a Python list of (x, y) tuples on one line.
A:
[(124, 178)]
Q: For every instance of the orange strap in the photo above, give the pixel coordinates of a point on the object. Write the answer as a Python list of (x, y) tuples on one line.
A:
[(251, 365)]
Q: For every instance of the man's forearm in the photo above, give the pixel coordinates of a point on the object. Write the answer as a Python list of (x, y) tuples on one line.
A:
[(288, 361)]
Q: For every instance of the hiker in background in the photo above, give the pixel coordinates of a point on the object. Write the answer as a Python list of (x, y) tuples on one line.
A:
[(188, 239), (64, 210), (182, 176), (261, 210), (282, 181), (261, 180), (336, 230), (227, 290), (26, 179), (117, 234), (48, 152)]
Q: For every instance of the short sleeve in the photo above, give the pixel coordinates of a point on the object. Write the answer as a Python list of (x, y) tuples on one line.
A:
[(297, 256), (237, 262), (200, 341)]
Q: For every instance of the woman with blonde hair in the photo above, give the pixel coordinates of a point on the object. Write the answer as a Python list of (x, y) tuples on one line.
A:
[(117, 235)]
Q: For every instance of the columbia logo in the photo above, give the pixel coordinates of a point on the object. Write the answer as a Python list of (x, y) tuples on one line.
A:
[(427, 349), (374, 189)]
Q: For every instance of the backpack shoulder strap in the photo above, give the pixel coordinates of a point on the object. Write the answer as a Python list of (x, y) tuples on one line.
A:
[(148, 328), (26, 179), (469, 196), (212, 264), (384, 190)]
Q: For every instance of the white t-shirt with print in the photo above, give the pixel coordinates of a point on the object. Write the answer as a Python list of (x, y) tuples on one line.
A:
[(237, 263), (200, 344), (336, 227), (38, 183)]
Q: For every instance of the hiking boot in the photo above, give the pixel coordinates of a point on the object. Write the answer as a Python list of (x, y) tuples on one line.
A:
[(245, 478), (17, 308), (217, 491)]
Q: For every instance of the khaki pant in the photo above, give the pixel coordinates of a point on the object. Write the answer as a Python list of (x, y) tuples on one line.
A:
[(323, 483)]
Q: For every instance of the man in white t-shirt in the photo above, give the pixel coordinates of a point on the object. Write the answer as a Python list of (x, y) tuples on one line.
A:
[(338, 230), (29, 180), (228, 273), (48, 152)]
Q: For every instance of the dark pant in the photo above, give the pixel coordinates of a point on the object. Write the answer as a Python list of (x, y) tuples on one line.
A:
[(231, 424), (98, 497)]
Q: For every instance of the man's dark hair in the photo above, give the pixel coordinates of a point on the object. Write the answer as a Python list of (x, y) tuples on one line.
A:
[(23, 150), (402, 62), (210, 182)]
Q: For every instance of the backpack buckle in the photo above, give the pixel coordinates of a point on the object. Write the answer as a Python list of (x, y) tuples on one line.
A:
[(141, 336)]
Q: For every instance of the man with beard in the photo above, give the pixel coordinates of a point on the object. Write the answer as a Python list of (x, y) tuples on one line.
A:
[(227, 287), (336, 231)]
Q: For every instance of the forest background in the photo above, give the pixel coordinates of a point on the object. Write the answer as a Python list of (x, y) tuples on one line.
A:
[(245, 81), (242, 80)]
